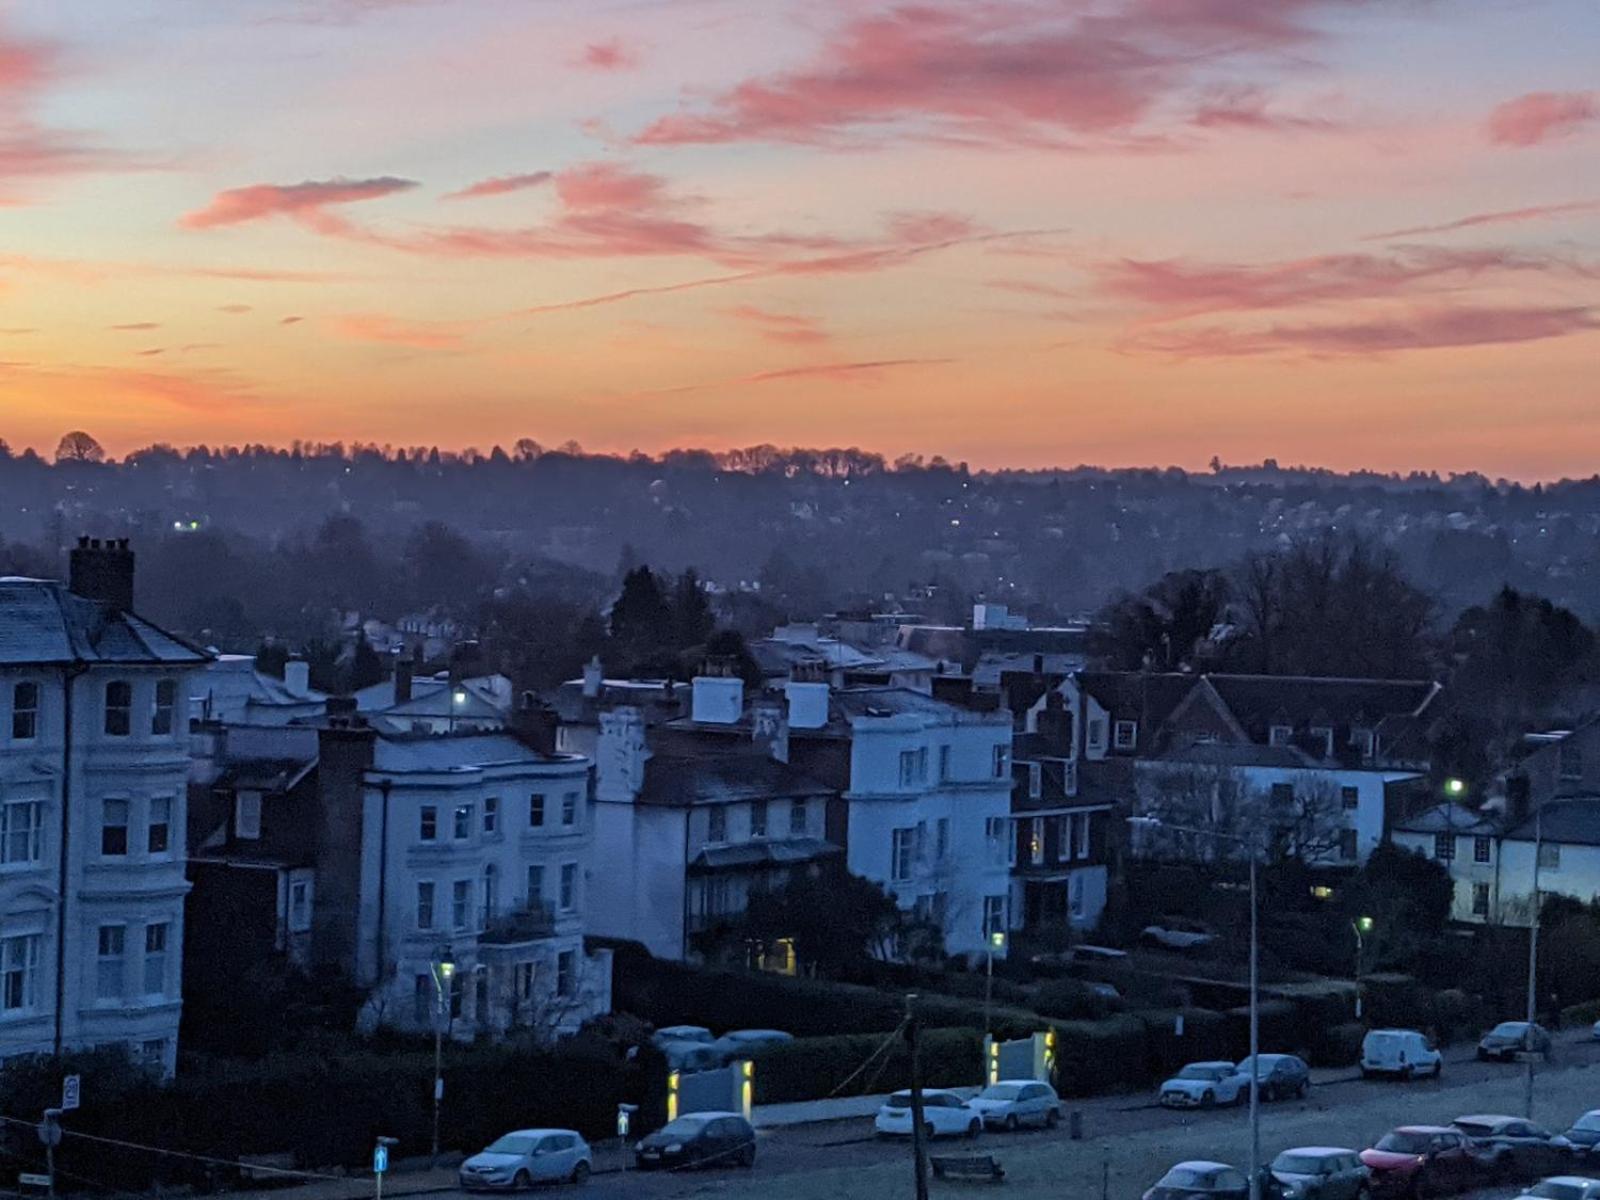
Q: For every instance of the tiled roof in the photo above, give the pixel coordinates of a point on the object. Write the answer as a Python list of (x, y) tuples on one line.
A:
[(1137, 695), (724, 778), (1445, 818), (457, 752), (1259, 700), (41, 622), (1572, 821)]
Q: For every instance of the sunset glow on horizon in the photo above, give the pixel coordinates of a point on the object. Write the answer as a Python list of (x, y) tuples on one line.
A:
[(1011, 232)]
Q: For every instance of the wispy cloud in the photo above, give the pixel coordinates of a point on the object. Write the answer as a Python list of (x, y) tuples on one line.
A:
[(135, 326), (610, 54), (1540, 117), (842, 370), (306, 202), (235, 309), (788, 328), (501, 184), (1506, 216)]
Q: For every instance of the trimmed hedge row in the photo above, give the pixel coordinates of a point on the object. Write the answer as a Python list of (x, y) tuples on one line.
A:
[(814, 1068)]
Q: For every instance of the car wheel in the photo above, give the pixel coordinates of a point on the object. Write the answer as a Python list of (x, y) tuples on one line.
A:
[(927, 1131), (1207, 1098), (1011, 1123), (747, 1157), (974, 1129), (1405, 1073), (1052, 1118), (522, 1182), (580, 1174), (1304, 1089), (1438, 1068)]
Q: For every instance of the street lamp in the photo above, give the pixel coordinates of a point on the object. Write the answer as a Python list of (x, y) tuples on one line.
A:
[(444, 971), (1455, 787), (1361, 925), (995, 941), (1255, 980)]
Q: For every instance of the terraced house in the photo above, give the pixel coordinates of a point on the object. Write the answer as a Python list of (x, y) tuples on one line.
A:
[(93, 764)]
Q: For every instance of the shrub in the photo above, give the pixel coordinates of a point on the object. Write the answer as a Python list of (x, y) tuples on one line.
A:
[(1281, 1029), (1206, 1037), (1586, 1013), (1337, 1045), (1072, 999), (1100, 1056), (864, 1064)]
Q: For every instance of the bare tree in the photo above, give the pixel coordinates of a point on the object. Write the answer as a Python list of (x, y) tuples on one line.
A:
[(79, 446), (1197, 795)]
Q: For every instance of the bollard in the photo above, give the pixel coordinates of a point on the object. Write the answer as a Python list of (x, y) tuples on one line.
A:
[(1075, 1125)]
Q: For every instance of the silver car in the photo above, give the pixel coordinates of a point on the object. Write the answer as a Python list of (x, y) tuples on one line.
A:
[(526, 1157), (1012, 1103)]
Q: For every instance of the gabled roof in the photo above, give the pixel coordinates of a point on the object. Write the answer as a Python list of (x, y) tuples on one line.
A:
[(1259, 701), (724, 778), (458, 752), (1449, 818), (41, 622), (1573, 821), (1137, 695)]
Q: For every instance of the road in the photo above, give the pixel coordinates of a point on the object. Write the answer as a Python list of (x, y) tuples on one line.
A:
[(1129, 1141)]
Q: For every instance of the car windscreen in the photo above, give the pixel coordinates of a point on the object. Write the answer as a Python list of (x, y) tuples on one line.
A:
[(1291, 1163), (1509, 1029), (1477, 1129), (1000, 1091), (685, 1126), (512, 1143), (1552, 1189), (1189, 1177), (899, 1100), (1209, 1074), (1400, 1142), (1589, 1121)]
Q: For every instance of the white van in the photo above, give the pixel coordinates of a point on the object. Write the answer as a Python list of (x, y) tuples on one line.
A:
[(1403, 1053)]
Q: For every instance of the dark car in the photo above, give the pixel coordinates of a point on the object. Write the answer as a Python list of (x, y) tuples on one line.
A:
[(1279, 1075), (1511, 1038), (704, 1139), (1421, 1160), (1515, 1148), (1200, 1180), (1319, 1173), (1585, 1134)]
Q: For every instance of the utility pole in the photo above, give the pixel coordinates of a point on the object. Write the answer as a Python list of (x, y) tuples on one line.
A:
[(1533, 968), (919, 1149)]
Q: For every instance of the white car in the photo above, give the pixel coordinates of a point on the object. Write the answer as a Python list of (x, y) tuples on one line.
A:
[(529, 1156), (738, 1043), (1012, 1103), (944, 1114), (1594, 1031), (683, 1033), (1564, 1187), (1203, 1084), (1403, 1053)]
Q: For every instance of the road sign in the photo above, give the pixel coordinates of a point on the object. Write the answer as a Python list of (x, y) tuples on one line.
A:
[(71, 1090), (34, 1180), (380, 1160), (50, 1131)]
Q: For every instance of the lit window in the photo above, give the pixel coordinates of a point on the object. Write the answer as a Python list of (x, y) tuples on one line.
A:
[(463, 822), (21, 832), (569, 886), (428, 823), (1036, 841), (158, 837), (25, 712), (19, 973), (119, 707), (109, 962), (155, 959), (166, 702), (491, 814), (1127, 735), (425, 904), (114, 829)]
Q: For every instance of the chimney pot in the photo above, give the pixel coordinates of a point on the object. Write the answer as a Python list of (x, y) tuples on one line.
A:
[(102, 573)]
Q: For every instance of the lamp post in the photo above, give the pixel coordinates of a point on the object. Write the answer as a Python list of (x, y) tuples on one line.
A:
[(1255, 980), (1533, 966), (1361, 925), (444, 971), (995, 941)]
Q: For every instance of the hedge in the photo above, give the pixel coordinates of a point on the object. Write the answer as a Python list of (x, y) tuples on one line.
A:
[(815, 1068), (1337, 1045), (1586, 1013), (1101, 1056), (1207, 1037)]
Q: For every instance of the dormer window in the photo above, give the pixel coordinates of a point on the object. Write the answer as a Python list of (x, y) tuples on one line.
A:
[(1280, 735), (1325, 733), (1035, 780), (1127, 735), (1363, 740)]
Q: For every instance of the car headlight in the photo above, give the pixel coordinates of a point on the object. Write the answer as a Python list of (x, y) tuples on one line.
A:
[(674, 1147)]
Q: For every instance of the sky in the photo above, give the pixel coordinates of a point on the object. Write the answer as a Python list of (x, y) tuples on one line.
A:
[(1355, 233)]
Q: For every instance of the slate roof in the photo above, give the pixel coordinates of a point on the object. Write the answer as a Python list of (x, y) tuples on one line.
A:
[(263, 774), (1448, 818), (848, 703), (42, 623), (1574, 821), (1136, 695), (722, 779), (457, 752), (1259, 700), (780, 852)]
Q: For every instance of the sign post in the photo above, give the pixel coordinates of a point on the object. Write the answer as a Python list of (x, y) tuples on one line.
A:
[(50, 1135), (71, 1093), (380, 1163), (624, 1124)]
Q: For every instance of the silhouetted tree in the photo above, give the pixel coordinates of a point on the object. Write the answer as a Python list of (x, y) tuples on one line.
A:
[(692, 621), (641, 619), (80, 447), (444, 569), (271, 658), (1161, 626)]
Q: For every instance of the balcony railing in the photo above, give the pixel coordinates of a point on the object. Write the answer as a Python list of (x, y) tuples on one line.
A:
[(524, 924)]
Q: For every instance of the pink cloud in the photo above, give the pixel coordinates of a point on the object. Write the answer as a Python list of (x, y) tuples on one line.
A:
[(291, 320), (612, 54), (303, 202), (234, 309), (1246, 107), (135, 326), (789, 328), (1423, 329), (1026, 287), (501, 184), (1185, 288), (375, 327), (988, 71), (1509, 216), (1542, 117), (841, 370)]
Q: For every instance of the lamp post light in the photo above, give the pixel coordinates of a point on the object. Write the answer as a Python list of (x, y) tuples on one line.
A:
[(1255, 981), (1455, 787), (995, 941), (1361, 925), (444, 971)]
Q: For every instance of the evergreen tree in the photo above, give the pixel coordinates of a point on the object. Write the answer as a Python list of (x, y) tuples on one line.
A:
[(692, 621), (641, 619)]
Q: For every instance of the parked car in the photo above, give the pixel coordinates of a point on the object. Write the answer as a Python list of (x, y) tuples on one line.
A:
[(1419, 1160), (738, 1043), (944, 1114), (1564, 1187), (1594, 1031), (682, 1033), (1319, 1173), (1585, 1133), (1516, 1148), (1202, 1084), (1012, 1103), (528, 1156), (703, 1139), (1280, 1075), (1178, 933), (688, 1057), (1199, 1180), (1510, 1038), (1402, 1053)]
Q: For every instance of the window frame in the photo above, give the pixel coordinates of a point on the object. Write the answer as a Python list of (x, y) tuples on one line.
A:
[(20, 955), (902, 853), (461, 906), (716, 823), (30, 711), (1131, 741), (32, 834), (799, 818), (567, 895), (164, 708), (427, 905), (428, 824), (463, 821), (1480, 899), (106, 962), (117, 718), (1482, 849), (156, 955), (107, 826), (1444, 847), (491, 816), (151, 825), (535, 895), (536, 807), (569, 809), (1349, 797)]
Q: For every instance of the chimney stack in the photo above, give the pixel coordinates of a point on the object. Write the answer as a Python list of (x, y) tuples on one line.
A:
[(536, 724), (103, 572), (717, 694), (404, 669), (593, 676), (806, 692), (769, 730), (297, 679)]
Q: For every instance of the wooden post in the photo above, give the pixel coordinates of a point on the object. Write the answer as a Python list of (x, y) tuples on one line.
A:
[(919, 1149)]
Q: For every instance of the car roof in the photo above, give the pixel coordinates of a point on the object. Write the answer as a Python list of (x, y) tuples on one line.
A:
[(1406, 1032), (1200, 1164), (1213, 1062), (540, 1132), (1318, 1150), (1575, 1179), (712, 1114), (1424, 1129), (1486, 1118)]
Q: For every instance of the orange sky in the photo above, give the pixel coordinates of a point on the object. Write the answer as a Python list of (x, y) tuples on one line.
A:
[(1012, 232)]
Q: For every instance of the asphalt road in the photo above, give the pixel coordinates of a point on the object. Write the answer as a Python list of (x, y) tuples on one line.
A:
[(1129, 1140)]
